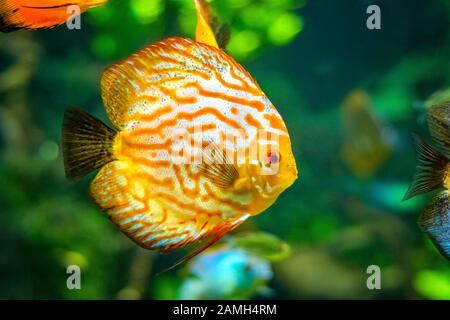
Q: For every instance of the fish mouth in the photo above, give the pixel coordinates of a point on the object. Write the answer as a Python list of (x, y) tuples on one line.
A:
[(268, 190), (266, 185)]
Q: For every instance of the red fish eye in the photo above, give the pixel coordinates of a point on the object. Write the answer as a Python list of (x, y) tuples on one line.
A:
[(273, 157)]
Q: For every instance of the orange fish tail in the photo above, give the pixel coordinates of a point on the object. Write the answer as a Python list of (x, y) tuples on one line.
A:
[(39, 14)]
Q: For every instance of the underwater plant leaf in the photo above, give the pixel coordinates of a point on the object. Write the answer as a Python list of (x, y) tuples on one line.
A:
[(262, 244), (433, 284)]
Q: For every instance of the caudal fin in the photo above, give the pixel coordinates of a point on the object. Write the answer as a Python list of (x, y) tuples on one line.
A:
[(429, 170), (7, 13), (87, 143)]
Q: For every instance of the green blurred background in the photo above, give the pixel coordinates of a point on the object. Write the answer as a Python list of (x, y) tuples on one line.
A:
[(307, 56)]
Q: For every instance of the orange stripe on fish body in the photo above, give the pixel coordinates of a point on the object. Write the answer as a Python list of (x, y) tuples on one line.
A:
[(39, 14), (179, 84)]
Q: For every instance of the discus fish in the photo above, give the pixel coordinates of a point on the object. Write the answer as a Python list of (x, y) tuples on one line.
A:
[(40, 14), (433, 172), (159, 198), (437, 98), (365, 144)]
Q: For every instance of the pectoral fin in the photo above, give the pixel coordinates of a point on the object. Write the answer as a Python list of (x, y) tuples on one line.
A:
[(217, 167)]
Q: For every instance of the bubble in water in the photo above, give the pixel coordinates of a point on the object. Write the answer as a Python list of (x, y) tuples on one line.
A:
[(49, 150)]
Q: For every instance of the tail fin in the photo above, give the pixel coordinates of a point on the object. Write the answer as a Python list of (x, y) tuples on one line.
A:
[(429, 170), (6, 13), (87, 143)]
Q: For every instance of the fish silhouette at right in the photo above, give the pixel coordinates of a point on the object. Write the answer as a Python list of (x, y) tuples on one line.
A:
[(432, 173)]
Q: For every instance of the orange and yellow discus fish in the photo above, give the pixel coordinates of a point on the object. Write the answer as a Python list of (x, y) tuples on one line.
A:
[(39, 14), (176, 88)]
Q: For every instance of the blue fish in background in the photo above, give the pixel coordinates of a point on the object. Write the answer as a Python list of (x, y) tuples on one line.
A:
[(226, 273), (433, 172)]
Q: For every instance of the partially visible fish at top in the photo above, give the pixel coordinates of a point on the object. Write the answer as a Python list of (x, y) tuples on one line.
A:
[(433, 173), (39, 14), (181, 165), (367, 141), (437, 98)]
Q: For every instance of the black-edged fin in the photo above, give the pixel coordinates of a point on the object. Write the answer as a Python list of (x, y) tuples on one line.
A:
[(217, 167), (439, 126), (87, 143), (221, 230), (6, 13), (192, 254), (435, 222), (223, 35), (430, 169)]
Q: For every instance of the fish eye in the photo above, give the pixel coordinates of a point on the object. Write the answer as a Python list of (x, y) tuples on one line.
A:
[(273, 158)]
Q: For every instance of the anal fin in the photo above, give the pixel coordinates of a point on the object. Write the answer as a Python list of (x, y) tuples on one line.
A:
[(138, 213), (123, 198), (219, 232)]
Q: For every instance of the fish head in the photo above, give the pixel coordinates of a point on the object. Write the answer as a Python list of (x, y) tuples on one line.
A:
[(268, 174)]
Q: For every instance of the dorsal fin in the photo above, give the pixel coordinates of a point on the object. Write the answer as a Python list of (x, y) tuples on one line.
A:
[(119, 89), (209, 30), (439, 126), (222, 230), (126, 82)]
